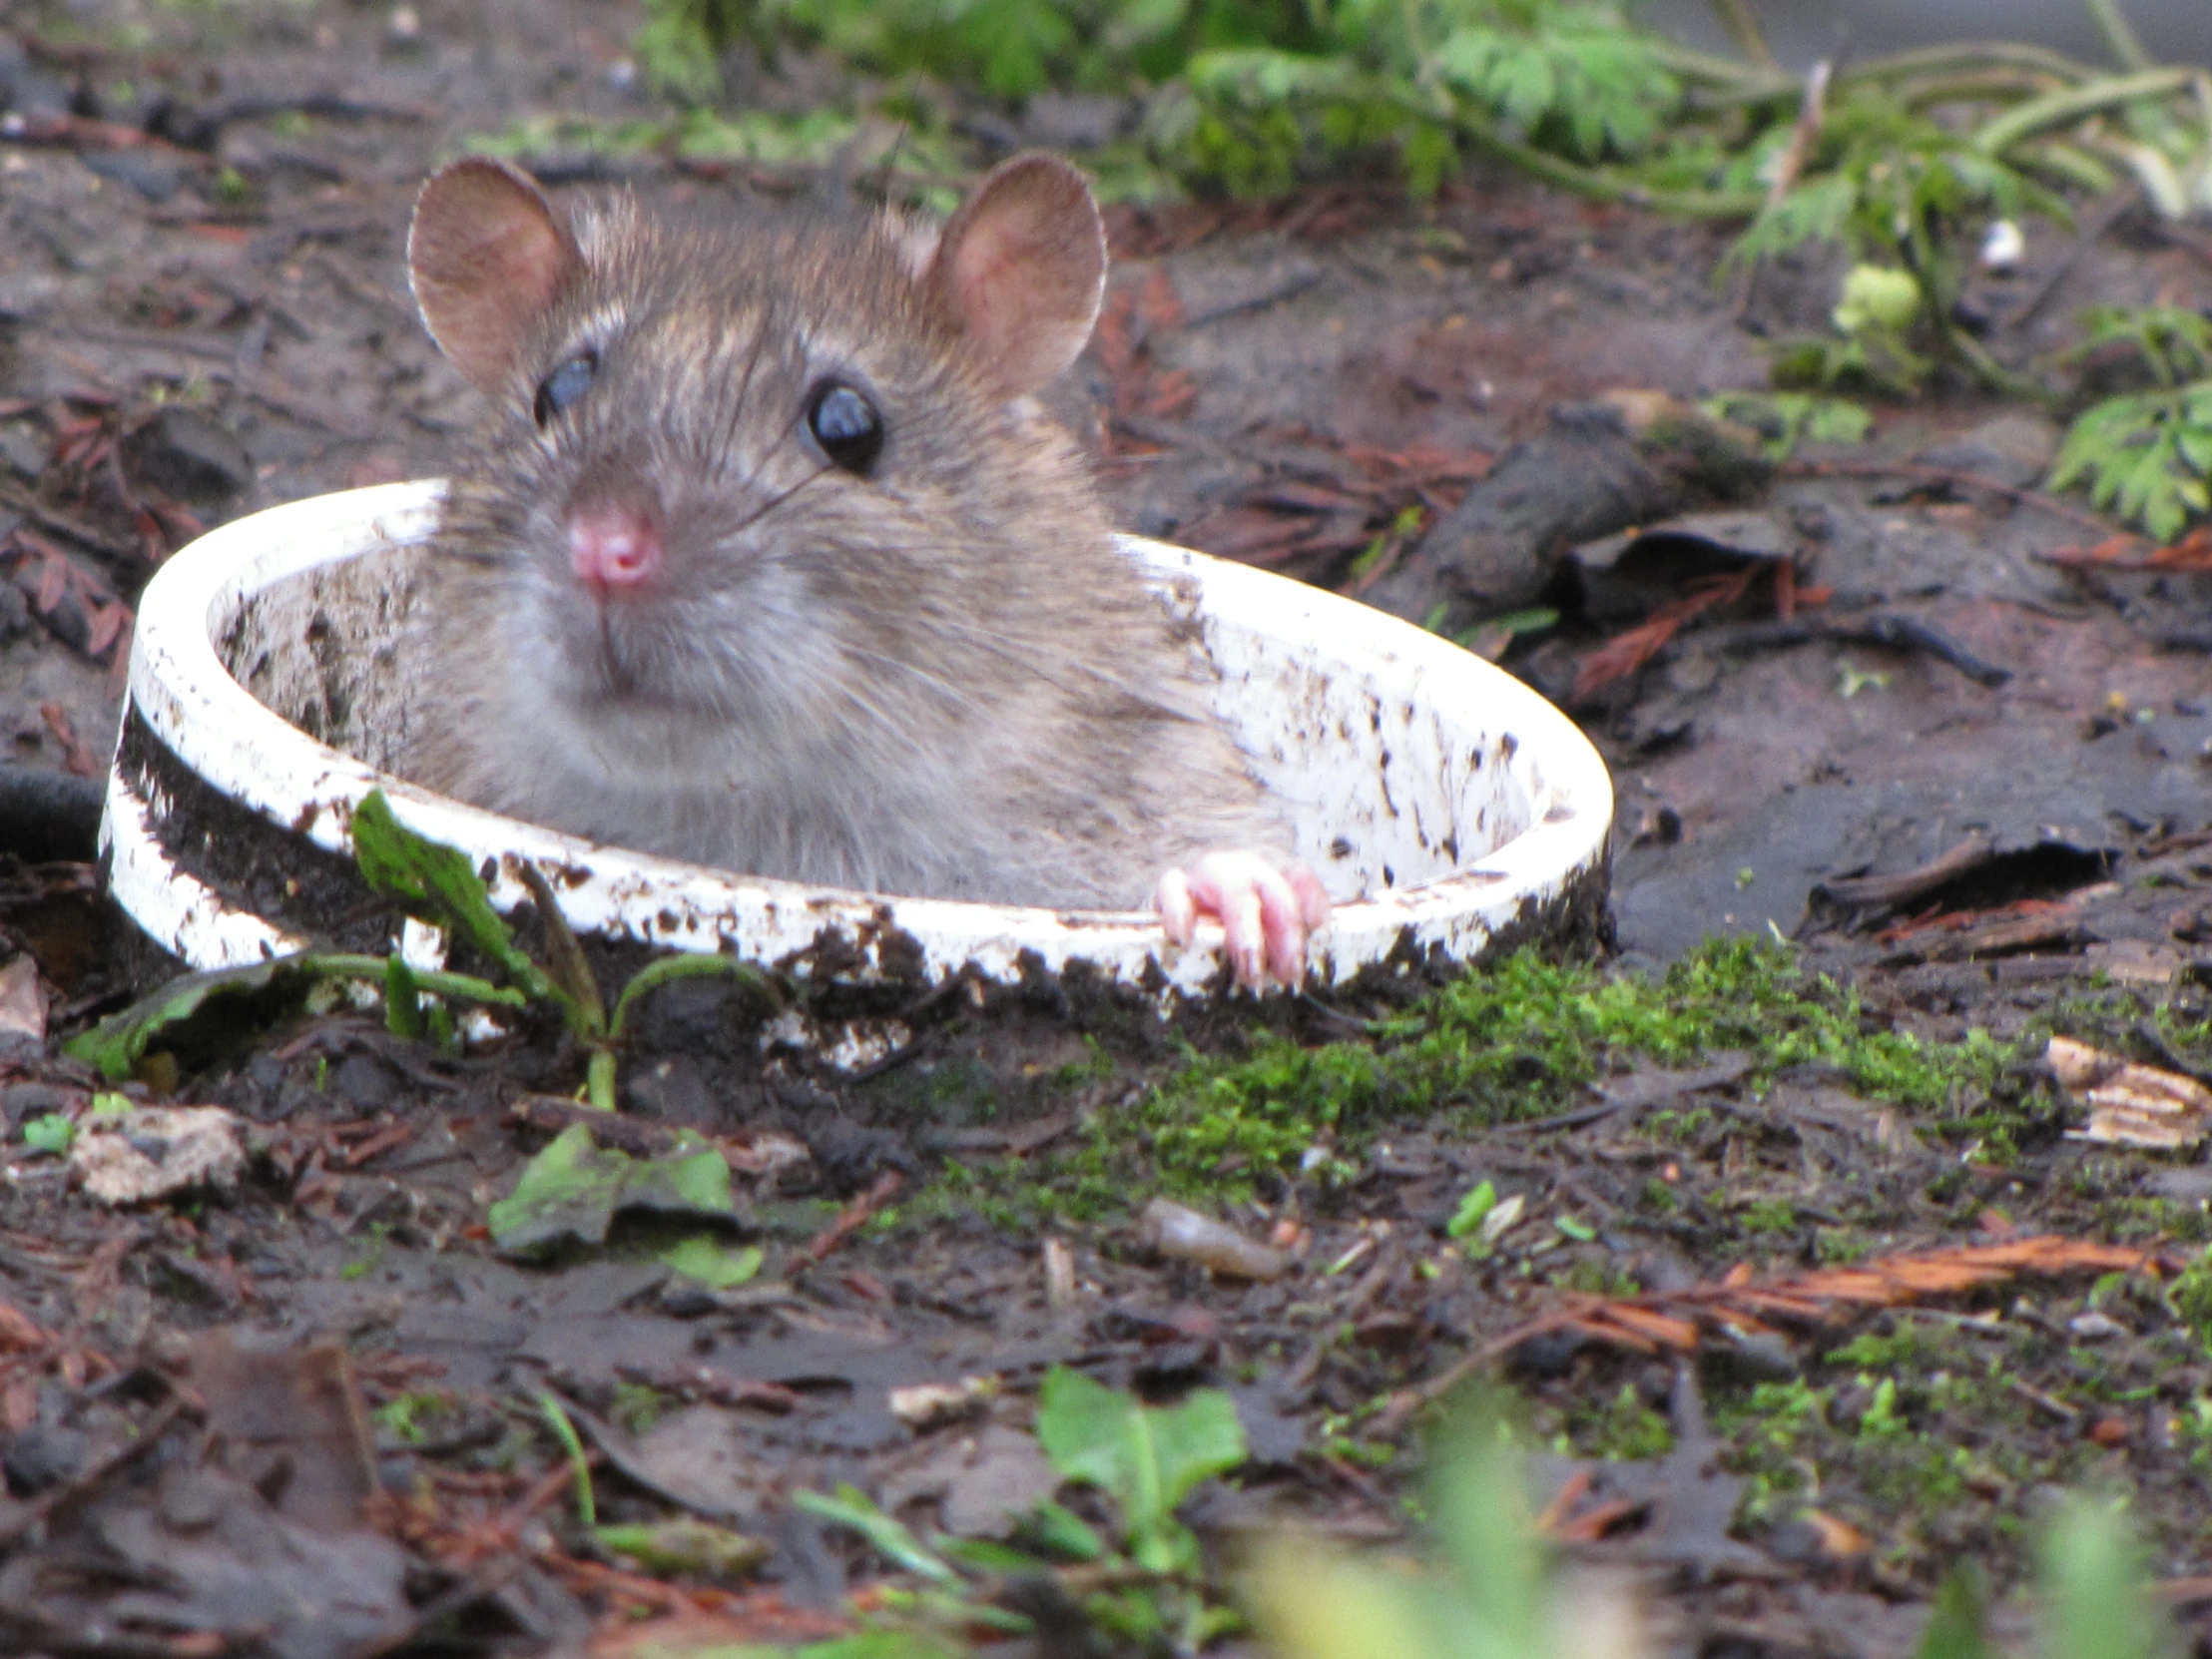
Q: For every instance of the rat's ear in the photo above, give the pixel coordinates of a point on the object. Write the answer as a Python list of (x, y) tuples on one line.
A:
[(487, 254), (1020, 269)]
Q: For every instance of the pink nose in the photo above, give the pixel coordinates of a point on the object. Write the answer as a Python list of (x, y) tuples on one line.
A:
[(613, 548)]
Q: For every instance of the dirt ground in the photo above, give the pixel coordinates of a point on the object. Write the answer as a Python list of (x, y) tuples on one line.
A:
[(204, 312)]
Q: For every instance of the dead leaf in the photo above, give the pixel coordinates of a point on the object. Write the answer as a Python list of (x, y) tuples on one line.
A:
[(986, 1481), (156, 1151), (291, 1422), (2129, 1104), (1679, 1322), (22, 1001)]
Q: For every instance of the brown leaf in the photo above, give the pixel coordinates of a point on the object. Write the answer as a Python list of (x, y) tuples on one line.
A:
[(1676, 1321)]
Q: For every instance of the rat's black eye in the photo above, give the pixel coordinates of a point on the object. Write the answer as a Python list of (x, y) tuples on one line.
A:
[(847, 425), (564, 385)]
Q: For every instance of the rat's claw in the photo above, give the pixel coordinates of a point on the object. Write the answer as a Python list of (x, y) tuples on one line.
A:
[(1177, 911), (1267, 908)]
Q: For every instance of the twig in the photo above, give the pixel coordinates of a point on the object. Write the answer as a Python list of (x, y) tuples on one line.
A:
[(850, 1220), (1639, 1094), (1866, 891), (1801, 136), (1904, 633), (2109, 213), (144, 1439), (1947, 475), (107, 547)]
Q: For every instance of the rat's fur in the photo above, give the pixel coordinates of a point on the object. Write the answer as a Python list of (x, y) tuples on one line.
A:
[(939, 679)]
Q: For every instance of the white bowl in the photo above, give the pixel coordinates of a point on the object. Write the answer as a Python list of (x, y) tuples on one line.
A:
[(1464, 810)]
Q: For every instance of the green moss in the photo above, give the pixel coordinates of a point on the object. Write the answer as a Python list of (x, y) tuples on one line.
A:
[(1840, 1246), (1768, 1215), (1623, 1428), (638, 1407), (2190, 1295), (1524, 1039)]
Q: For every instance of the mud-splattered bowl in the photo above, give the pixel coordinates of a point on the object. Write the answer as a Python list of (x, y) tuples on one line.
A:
[(264, 705)]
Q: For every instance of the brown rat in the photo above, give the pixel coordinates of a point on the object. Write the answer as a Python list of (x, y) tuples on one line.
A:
[(769, 560)]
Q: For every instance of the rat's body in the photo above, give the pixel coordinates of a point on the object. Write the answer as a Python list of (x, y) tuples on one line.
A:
[(770, 560)]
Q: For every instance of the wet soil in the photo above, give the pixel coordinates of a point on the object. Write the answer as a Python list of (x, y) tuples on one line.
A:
[(196, 329)]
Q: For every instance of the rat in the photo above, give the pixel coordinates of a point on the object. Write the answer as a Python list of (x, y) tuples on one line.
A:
[(769, 559)]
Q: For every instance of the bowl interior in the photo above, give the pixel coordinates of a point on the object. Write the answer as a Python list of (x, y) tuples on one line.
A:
[(1390, 780)]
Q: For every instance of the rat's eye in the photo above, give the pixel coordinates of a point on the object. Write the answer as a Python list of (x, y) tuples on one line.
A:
[(847, 425), (564, 385)]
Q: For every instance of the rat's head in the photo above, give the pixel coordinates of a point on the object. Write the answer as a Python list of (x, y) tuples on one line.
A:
[(760, 473)]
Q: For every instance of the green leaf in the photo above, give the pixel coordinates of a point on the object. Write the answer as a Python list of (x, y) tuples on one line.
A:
[(1147, 1457), (438, 884), (693, 1182), (1499, 1576), (712, 1262), (1059, 1530), (186, 1010), (1479, 1201), (1314, 1605), (575, 1188), (685, 1546), (852, 1507), (2094, 1588), (569, 1190), (1876, 297), (53, 1132), (1958, 1624)]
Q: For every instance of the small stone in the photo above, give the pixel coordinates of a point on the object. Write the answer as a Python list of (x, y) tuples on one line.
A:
[(154, 174), (188, 454), (42, 1457), (20, 1101), (22, 449)]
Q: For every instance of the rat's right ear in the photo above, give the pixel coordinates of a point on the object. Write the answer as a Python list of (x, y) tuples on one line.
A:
[(487, 254)]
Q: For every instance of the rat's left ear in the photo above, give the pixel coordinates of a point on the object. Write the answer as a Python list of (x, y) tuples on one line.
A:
[(1021, 271)]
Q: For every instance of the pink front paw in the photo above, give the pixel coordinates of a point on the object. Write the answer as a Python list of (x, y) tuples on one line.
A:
[(1267, 908)]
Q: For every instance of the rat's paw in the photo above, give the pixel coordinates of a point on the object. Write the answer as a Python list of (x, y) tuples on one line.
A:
[(1267, 908)]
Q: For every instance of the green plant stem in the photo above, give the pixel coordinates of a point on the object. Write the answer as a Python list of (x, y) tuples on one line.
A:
[(599, 1080), (1977, 87), (2061, 108), (1987, 369), (661, 970), (579, 1462), (2070, 165), (564, 957), (1743, 79), (1589, 182), (459, 986), (1966, 56), (2119, 35), (1742, 23)]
